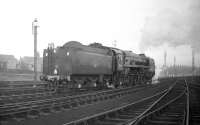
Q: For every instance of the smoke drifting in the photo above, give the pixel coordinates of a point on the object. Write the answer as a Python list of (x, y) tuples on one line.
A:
[(173, 27)]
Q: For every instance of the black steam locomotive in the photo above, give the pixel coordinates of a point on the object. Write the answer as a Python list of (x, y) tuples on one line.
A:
[(95, 65)]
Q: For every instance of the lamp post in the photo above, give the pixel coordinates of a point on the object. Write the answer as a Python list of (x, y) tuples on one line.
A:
[(34, 29)]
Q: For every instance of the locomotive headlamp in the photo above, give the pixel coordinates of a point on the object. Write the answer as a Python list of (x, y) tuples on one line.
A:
[(67, 53), (55, 71), (79, 86)]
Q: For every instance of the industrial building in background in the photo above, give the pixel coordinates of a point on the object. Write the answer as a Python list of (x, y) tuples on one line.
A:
[(7, 62), (27, 63), (179, 70)]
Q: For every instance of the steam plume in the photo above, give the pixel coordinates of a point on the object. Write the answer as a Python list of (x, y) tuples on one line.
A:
[(173, 27)]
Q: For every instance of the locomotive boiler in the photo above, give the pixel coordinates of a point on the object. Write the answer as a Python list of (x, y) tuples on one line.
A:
[(95, 65)]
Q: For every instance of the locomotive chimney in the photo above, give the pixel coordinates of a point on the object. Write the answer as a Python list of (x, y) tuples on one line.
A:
[(34, 28)]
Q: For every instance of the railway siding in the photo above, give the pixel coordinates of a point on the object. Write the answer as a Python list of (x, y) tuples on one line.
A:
[(194, 102), (160, 104), (184, 109), (46, 106), (124, 114), (171, 109), (61, 114)]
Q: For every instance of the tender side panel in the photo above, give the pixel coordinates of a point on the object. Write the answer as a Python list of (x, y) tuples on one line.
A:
[(84, 62)]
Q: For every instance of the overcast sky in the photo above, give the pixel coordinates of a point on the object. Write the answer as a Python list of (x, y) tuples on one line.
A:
[(88, 21)]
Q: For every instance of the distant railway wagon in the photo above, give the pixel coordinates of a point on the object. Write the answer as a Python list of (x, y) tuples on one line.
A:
[(95, 65)]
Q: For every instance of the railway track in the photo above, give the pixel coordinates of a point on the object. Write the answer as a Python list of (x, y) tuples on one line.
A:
[(21, 87), (4, 84), (194, 104), (13, 95), (134, 112), (167, 107), (20, 91), (118, 116), (183, 110), (46, 94), (168, 111), (26, 97), (33, 94), (33, 109), (30, 91)]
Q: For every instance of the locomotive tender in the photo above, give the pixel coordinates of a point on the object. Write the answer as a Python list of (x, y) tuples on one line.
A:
[(95, 65)]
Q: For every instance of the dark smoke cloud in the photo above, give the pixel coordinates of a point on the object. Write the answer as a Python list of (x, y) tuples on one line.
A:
[(173, 27)]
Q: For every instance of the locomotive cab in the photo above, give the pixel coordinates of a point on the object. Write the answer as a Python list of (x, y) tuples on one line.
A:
[(119, 59)]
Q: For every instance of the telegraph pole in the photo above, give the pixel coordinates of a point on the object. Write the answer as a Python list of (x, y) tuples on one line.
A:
[(174, 65), (34, 28), (193, 62), (165, 59), (165, 64)]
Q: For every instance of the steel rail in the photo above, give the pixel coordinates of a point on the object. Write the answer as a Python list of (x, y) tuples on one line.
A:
[(34, 105), (194, 102), (74, 96), (156, 102), (116, 109), (188, 104), (167, 104), (148, 113)]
